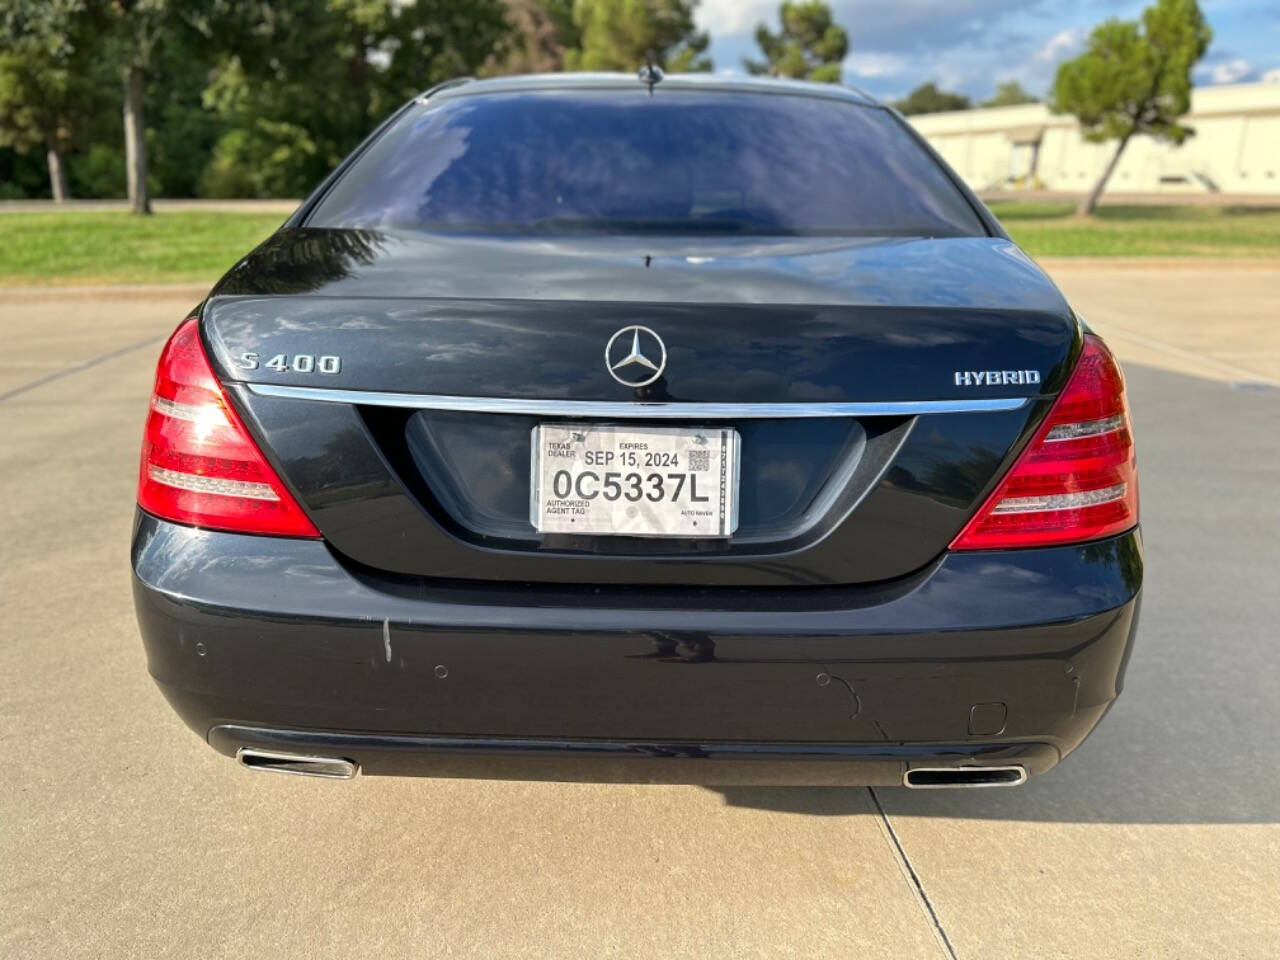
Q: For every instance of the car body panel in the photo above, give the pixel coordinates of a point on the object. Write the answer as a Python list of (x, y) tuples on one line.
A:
[(324, 647)]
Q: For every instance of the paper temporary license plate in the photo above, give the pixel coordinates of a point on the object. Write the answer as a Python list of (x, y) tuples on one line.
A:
[(634, 481)]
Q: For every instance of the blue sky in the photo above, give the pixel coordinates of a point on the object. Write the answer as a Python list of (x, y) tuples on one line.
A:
[(970, 45)]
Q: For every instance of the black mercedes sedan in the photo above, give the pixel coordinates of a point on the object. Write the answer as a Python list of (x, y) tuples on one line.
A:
[(677, 429)]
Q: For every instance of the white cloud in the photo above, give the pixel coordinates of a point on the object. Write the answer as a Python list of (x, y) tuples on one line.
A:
[(906, 25), (1060, 44), (969, 45), (735, 16), (1230, 71), (1272, 75), (874, 64), (967, 68)]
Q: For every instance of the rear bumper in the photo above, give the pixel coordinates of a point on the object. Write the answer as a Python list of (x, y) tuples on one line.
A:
[(988, 658)]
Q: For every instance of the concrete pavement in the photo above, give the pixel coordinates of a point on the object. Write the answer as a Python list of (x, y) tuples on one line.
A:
[(1212, 320), (121, 835)]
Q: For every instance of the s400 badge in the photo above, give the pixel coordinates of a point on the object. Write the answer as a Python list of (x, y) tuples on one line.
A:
[(300, 363)]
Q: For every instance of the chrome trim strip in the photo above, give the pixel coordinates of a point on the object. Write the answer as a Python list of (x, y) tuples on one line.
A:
[(638, 410)]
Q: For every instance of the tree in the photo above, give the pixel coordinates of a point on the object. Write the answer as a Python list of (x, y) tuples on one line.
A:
[(1010, 94), (181, 132), (49, 94), (625, 34), (542, 31), (1134, 78), (22, 175), (139, 25), (810, 46), (301, 84), (927, 98)]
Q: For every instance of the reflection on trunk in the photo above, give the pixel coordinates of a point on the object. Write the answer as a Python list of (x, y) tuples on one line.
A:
[(300, 262)]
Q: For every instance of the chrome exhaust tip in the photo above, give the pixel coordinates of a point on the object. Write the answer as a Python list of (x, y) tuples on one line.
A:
[(944, 778), (297, 764)]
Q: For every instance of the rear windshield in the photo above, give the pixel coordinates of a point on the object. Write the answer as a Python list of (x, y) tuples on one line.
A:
[(621, 161)]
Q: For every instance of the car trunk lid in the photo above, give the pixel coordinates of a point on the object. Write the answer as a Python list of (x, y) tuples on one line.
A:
[(840, 363)]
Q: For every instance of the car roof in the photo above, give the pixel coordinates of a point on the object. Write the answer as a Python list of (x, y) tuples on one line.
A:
[(467, 86)]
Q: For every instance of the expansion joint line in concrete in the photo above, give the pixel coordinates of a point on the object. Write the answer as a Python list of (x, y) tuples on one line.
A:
[(905, 862), (68, 371)]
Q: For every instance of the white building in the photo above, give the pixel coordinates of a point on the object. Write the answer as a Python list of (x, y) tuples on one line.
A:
[(1235, 150)]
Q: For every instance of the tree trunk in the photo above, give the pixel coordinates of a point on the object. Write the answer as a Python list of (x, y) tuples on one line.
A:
[(1090, 203), (57, 175), (135, 142)]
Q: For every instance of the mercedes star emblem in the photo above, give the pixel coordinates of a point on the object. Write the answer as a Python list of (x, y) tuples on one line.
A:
[(637, 367)]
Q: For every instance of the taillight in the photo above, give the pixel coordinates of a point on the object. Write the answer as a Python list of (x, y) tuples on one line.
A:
[(199, 464), (1077, 479)]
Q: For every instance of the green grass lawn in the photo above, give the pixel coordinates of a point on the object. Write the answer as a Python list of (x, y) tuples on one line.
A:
[(48, 249), (44, 249), (1053, 230)]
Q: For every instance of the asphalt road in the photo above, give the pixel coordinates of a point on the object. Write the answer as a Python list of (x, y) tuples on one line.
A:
[(121, 835)]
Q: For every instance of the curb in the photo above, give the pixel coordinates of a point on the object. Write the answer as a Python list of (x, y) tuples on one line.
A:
[(1158, 263), (194, 292)]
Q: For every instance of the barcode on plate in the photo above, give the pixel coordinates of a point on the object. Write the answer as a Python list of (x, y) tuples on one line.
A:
[(699, 459)]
